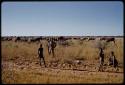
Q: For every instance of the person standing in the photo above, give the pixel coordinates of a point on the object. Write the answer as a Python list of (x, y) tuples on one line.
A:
[(101, 59), (53, 45), (49, 46), (113, 61), (40, 53)]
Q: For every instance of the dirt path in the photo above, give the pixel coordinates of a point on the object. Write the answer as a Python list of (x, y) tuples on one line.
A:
[(33, 73), (35, 67)]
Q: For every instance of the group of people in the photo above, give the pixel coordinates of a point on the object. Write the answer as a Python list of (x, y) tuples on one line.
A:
[(51, 47), (52, 44), (112, 59)]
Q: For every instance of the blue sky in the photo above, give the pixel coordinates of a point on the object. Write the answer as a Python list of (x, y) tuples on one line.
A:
[(81, 18)]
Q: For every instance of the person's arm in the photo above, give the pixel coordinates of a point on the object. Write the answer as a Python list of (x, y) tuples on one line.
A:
[(42, 52), (113, 60)]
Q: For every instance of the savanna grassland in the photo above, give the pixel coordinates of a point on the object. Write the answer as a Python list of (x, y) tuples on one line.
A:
[(20, 63)]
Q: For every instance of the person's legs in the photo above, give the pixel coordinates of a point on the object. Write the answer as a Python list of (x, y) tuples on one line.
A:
[(116, 67), (40, 60), (100, 67), (44, 61), (49, 50), (101, 64), (53, 52), (110, 62)]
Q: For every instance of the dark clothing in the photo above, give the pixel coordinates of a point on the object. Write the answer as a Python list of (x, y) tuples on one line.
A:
[(40, 52), (51, 47), (101, 54), (113, 59), (110, 61), (115, 63)]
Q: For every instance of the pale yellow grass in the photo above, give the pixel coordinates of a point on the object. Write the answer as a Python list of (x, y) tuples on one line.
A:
[(64, 77), (22, 51)]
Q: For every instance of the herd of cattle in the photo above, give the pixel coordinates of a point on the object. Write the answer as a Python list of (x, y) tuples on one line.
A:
[(35, 39), (61, 40), (53, 40)]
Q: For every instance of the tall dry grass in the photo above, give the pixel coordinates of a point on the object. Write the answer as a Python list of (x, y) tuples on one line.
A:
[(22, 51), (86, 50)]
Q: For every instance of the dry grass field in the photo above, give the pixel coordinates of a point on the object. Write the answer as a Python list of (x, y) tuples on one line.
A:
[(20, 63)]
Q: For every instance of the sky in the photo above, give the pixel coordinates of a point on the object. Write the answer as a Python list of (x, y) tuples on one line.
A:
[(58, 18)]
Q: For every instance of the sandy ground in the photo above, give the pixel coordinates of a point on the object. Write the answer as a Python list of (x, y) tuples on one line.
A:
[(34, 67)]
